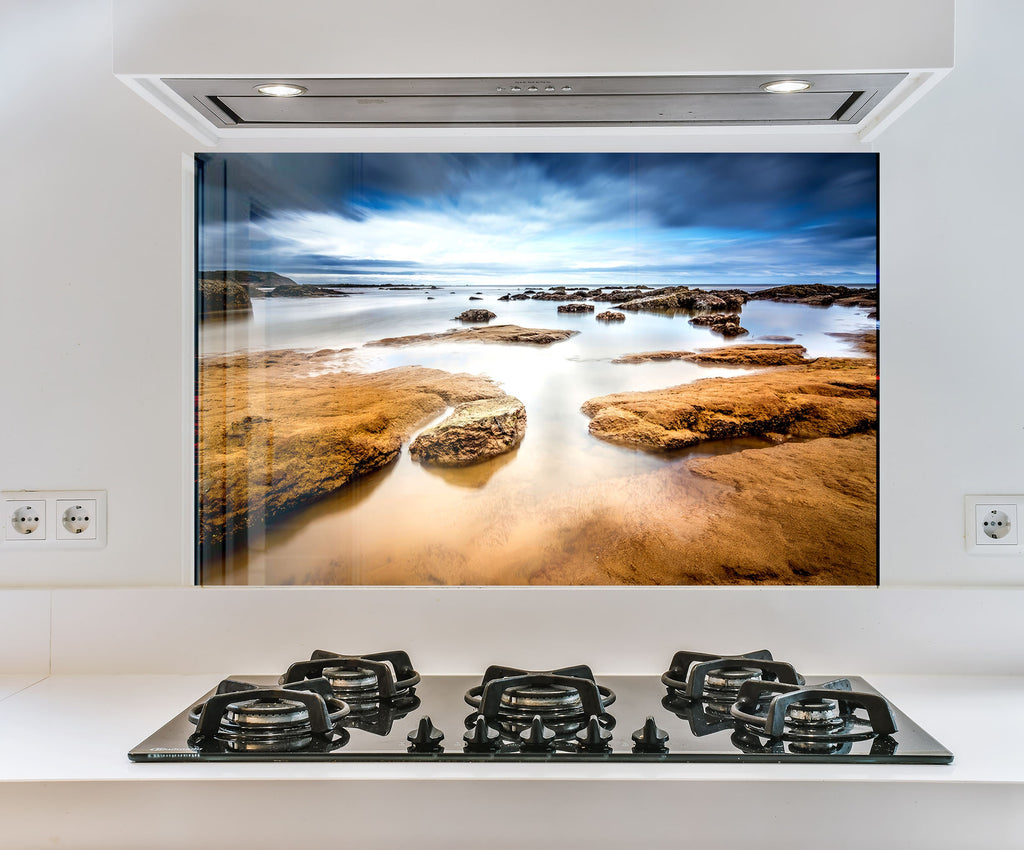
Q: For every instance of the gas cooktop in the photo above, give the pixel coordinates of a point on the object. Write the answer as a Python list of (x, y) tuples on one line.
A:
[(704, 708)]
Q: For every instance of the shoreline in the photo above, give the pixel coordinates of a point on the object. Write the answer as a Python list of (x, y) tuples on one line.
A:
[(621, 531)]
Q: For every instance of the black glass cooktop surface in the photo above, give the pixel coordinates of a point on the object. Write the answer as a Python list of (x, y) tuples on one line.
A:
[(626, 718)]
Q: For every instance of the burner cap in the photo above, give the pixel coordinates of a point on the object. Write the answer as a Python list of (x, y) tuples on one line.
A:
[(728, 680), (345, 681), (266, 714), (820, 716), (546, 700)]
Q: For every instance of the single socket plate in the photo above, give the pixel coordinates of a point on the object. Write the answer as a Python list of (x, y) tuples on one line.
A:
[(991, 525)]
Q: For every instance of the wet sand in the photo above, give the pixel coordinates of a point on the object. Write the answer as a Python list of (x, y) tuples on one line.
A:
[(327, 437)]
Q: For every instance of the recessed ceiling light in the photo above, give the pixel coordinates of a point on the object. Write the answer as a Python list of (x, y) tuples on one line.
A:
[(280, 89), (786, 86)]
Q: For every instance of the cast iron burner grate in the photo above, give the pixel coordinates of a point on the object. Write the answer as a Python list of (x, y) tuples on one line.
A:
[(820, 719), (379, 687), (524, 706), (243, 717), (698, 675), (703, 687), (374, 677)]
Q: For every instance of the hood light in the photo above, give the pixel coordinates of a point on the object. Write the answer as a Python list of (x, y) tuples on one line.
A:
[(280, 89), (786, 86)]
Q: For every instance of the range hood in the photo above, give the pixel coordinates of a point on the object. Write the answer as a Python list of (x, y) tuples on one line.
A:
[(537, 101), (675, 66)]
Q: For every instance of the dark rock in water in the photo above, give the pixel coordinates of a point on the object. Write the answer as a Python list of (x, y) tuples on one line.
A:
[(617, 295), (818, 294), (296, 290), (610, 316), (222, 299), (475, 316), (475, 431), (729, 330), (684, 298), (575, 308), (431, 298), (505, 297), (520, 296), (554, 295), (474, 298), (726, 325), (709, 319)]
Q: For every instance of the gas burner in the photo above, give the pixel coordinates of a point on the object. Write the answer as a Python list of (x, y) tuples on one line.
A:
[(813, 719), (364, 681), (717, 679), (563, 699), (243, 717)]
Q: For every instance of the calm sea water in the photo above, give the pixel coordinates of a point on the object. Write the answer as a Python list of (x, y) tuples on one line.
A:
[(557, 455)]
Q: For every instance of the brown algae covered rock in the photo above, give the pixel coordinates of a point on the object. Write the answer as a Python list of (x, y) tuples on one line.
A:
[(475, 431)]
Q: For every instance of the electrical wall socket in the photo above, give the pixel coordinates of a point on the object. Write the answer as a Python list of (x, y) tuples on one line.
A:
[(54, 519), (76, 519), (24, 519), (991, 525)]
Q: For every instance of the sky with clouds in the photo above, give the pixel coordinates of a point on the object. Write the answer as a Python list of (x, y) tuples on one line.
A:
[(724, 218)]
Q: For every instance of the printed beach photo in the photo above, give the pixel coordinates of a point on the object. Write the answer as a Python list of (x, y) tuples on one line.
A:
[(536, 369)]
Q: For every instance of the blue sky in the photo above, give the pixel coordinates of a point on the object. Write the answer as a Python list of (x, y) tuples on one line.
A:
[(700, 219)]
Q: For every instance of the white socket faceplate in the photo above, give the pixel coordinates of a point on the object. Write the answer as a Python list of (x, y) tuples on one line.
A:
[(991, 525), (60, 519)]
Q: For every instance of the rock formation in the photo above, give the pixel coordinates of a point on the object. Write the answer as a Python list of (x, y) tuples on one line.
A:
[(757, 355), (477, 315), (827, 397), (222, 299), (475, 431), (313, 436), (575, 308), (610, 316), (493, 333), (297, 290), (725, 324), (684, 298), (818, 294)]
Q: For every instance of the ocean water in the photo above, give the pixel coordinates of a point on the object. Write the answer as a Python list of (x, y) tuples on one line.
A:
[(343, 538)]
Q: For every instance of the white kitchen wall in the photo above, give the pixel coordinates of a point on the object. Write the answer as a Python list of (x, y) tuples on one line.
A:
[(95, 354)]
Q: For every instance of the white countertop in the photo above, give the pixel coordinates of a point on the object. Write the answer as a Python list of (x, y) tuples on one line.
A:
[(12, 684), (102, 717), (64, 741)]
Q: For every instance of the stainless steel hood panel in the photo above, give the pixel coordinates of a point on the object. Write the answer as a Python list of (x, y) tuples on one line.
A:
[(578, 101)]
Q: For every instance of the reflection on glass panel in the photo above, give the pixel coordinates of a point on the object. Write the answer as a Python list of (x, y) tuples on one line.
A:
[(512, 369)]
